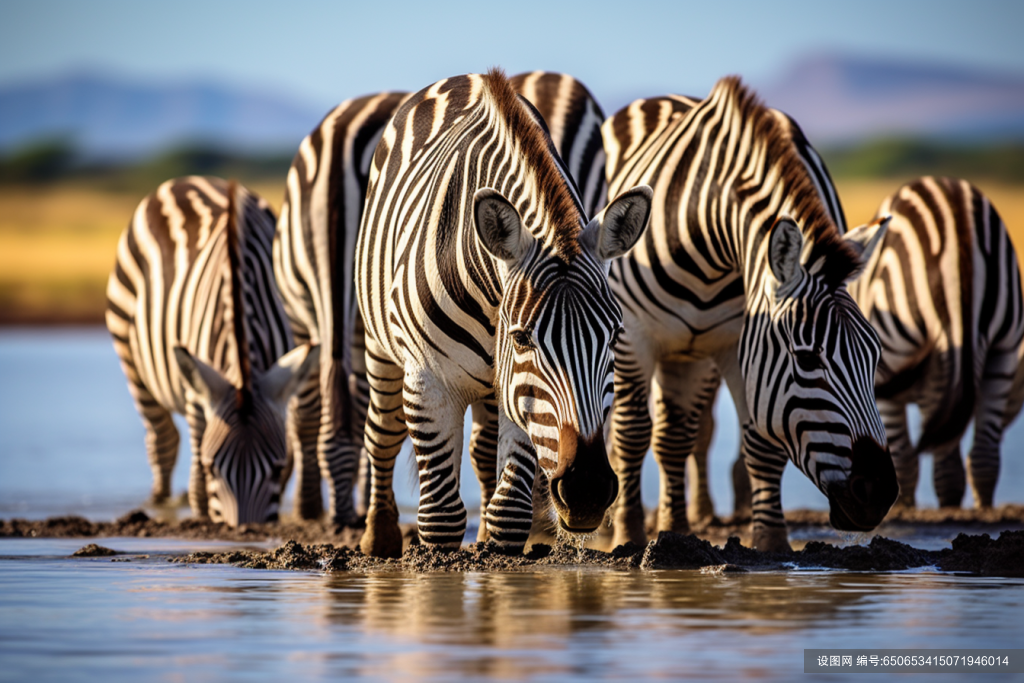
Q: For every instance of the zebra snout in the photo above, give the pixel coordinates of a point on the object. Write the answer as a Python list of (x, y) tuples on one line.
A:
[(585, 485), (861, 502)]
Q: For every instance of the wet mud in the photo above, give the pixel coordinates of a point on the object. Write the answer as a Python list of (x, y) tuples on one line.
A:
[(717, 549), (981, 555), (138, 523)]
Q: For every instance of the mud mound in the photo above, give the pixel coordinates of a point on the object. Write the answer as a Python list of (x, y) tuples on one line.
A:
[(982, 555), (679, 551), (93, 550), (881, 554)]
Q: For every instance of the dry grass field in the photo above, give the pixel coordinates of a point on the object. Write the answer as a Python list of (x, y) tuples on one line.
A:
[(57, 242), (57, 246)]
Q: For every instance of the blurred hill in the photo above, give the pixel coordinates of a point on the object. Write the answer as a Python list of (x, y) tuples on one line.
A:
[(78, 153), (842, 99), (110, 117)]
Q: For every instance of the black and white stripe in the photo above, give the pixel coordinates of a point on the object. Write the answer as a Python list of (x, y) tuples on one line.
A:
[(743, 266), (480, 282), (943, 292), (198, 325), (314, 254)]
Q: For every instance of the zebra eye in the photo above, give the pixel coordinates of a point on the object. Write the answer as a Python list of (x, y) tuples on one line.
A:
[(809, 361), (521, 340)]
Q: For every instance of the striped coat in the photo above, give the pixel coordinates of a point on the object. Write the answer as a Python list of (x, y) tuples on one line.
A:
[(944, 293), (314, 253), (479, 281), (198, 326), (744, 266)]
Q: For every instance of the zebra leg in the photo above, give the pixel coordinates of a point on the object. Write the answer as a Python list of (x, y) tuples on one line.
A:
[(436, 419), (360, 399), (162, 441), (630, 433), (680, 399), (385, 432), (994, 397), (741, 493), (303, 431), (765, 464), (948, 474), (337, 445), (904, 456), (509, 514), (699, 506), (764, 461), (483, 453), (197, 497)]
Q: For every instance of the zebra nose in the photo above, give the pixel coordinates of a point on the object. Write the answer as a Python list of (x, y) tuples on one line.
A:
[(862, 501), (584, 487)]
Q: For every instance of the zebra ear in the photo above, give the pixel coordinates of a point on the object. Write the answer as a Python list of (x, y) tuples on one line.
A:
[(498, 226), (205, 380), (864, 240), (784, 246), (614, 231), (289, 372)]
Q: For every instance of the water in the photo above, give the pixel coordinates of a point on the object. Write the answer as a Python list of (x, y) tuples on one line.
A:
[(64, 619), (70, 442)]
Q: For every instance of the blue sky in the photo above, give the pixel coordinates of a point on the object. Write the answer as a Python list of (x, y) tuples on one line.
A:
[(320, 53)]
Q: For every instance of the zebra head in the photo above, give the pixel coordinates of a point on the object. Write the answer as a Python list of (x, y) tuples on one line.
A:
[(243, 446), (557, 327), (808, 357)]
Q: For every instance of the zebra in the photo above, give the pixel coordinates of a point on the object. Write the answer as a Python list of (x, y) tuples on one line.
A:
[(943, 292), (198, 326), (743, 266), (574, 119), (314, 257), (480, 284)]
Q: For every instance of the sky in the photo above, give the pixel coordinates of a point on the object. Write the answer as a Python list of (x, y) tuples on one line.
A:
[(319, 53)]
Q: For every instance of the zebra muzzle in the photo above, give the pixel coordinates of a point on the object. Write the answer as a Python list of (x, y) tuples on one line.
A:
[(861, 502), (585, 486)]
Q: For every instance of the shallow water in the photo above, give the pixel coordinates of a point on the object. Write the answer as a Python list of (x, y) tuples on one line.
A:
[(63, 618), (70, 442)]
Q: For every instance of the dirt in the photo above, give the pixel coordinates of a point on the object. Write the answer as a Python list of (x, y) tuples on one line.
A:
[(315, 546), (970, 554), (93, 550), (138, 523)]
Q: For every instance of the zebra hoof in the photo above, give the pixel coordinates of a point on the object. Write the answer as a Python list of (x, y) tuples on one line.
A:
[(383, 537), (629, 528), (771, 540)]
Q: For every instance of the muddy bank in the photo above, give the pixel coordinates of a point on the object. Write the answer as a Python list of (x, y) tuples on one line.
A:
[(970, 554), (138, 523), (718, 531)]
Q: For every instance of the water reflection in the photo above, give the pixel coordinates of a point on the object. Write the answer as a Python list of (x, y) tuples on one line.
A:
[(148, 619)]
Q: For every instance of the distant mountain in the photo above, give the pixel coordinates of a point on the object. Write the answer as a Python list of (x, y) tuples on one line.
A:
[(108, 116), (838, 99)]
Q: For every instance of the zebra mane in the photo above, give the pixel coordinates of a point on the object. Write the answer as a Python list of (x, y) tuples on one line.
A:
[(830, 256), (531, 135), (237, 307)]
